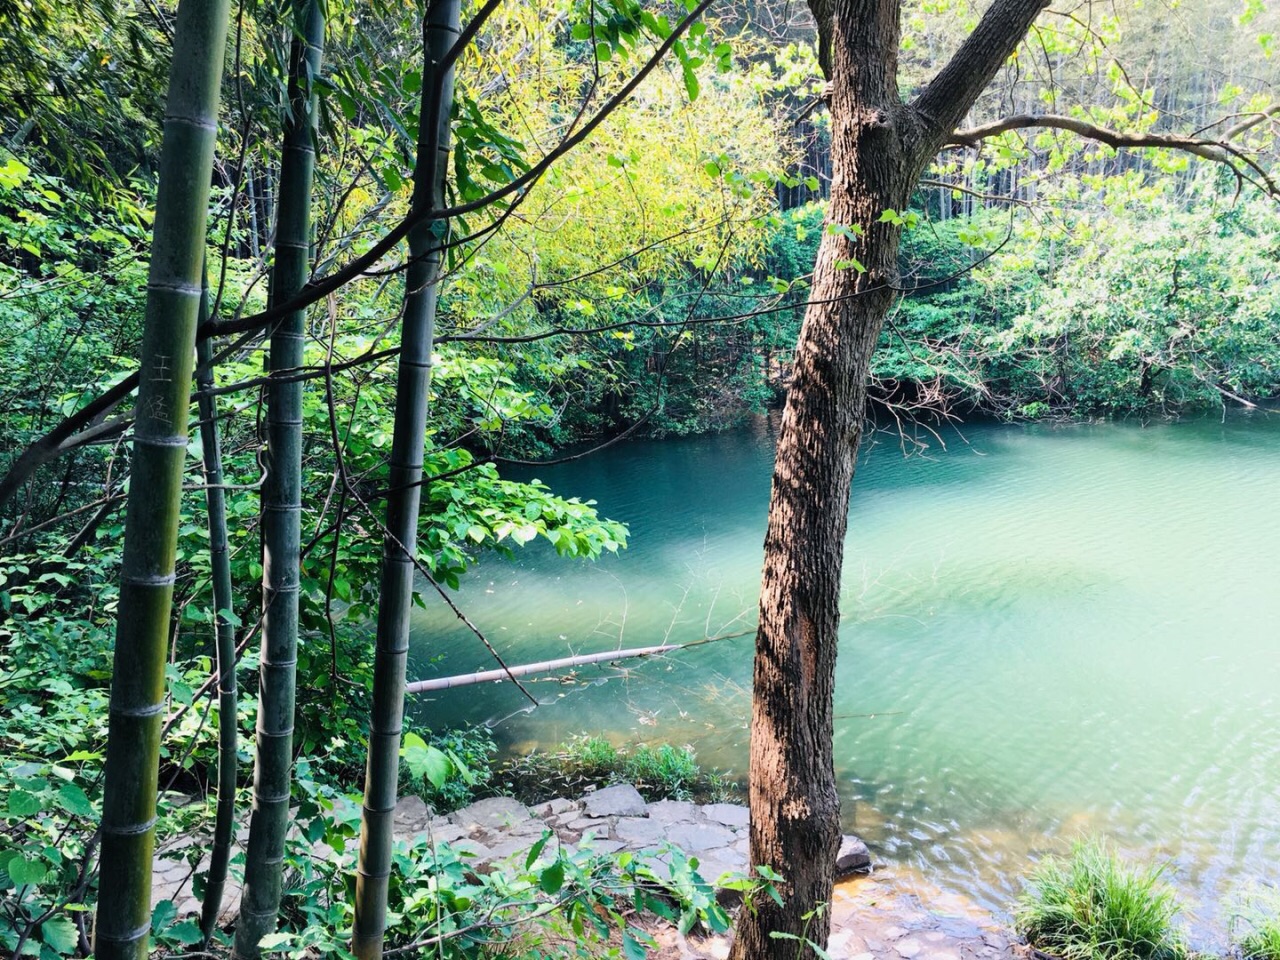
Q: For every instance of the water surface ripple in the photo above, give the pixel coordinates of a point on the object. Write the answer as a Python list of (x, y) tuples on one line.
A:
[(1047, 632)]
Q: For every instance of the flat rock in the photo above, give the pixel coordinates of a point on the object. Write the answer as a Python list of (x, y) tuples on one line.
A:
[(509, 848), (492, 814), (583, 824), (603, 846), (639, 831), (909, 948), (697, 838), (854, 857), (470, 850), (674, 811), (555, 806), (445, 832), (620, 800), (729, 814), (713, 867)]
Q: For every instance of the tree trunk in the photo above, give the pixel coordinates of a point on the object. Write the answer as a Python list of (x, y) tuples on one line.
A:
[(400, 545), (879, 147), (282, 500), (795, 824), (159, 455)]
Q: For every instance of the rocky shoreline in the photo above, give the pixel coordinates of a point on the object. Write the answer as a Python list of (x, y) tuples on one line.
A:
[(610, 820), (877, 913)]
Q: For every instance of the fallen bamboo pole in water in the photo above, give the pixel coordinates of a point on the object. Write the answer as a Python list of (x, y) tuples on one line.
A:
[(546, 666)]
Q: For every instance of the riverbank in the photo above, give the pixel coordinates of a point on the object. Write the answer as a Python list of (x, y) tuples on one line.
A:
[(878, 913)]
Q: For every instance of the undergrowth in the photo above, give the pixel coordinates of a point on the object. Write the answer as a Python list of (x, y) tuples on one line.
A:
[(662, 772)]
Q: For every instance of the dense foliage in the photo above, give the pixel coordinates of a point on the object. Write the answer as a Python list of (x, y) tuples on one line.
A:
[(651, 281)]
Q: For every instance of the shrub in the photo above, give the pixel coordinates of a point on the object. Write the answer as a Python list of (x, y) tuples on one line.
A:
[(1089, 906)]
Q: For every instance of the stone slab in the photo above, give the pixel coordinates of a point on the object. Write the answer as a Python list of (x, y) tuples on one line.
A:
[(639, 832), (492, 814), (620, 800), (728, 814), (698, 838), (674, 811)]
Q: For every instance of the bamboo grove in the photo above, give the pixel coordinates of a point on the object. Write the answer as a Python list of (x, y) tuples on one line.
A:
[(394, 247)]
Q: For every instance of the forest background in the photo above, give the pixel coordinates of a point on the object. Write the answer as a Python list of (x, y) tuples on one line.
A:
[(651, 282)]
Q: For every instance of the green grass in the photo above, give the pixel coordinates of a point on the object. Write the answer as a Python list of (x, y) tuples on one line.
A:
[(1255, 923), (1089, 906), (658, 772)]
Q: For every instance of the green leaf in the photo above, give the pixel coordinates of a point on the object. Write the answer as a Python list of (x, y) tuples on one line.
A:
[(187, 932), (536, 851), (164, 914), (428, 763), (691, 85), (632, 948), (73, 800), (552, 878), (23, 804), (23, 871), (59, 934)]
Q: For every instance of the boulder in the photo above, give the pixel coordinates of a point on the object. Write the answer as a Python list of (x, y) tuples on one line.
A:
[(854, 857), (620, 800)]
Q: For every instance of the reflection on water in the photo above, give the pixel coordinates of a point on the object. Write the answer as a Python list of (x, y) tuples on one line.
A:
[(1047, 631)]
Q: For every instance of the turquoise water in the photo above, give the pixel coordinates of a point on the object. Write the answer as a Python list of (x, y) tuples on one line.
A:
[(1047, 631)]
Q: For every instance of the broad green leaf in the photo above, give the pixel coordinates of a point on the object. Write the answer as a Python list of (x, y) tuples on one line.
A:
[(60, 935), (23, 871), (73, 800), (23, 804), (552, 878)]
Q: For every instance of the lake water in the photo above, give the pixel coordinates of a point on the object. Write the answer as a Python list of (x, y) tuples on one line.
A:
[(1048, 631)]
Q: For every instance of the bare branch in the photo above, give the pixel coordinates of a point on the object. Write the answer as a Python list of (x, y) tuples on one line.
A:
[(1219, 151), (955, 88)]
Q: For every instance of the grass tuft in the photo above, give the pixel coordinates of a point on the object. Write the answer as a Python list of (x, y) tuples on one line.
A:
[(1089, 906), (1255, 923)]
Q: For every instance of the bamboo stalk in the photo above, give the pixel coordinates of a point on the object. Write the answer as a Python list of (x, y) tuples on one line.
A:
[(282, 499), (440, 30), (224, 633), (123, 924)]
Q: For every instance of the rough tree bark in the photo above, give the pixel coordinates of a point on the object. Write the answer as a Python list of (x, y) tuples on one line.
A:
[(879, 148)]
